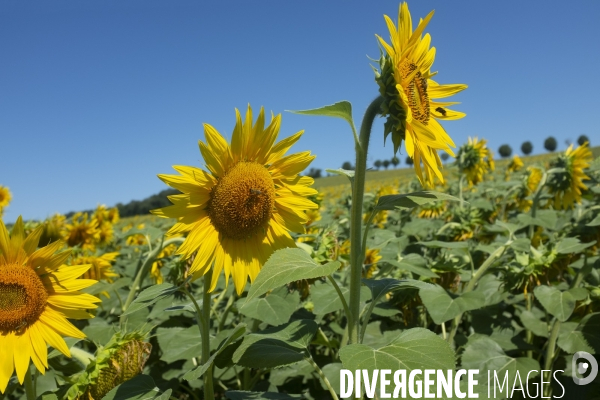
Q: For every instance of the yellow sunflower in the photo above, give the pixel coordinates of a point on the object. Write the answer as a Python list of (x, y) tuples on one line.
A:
[(101, 267), (241, 210), (567, 186), (37, 295), (515, 164), (5, 196), (432, 210), (82, 231), (372, 257), (53, 227), (408, 91), (529, 186), (155, 271), (475, 159)]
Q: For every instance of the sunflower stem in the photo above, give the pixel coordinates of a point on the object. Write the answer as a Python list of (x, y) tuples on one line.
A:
[(357, 253), (30, 384), (208, 375), (145, 268)]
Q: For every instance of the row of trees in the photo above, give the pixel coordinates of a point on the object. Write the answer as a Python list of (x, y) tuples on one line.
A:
[(550, 144)]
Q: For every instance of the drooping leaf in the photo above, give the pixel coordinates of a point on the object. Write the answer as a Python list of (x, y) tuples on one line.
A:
[(150, 296), (341, 109), (285, 266), (410, 200), (559, 304), (140, 387)]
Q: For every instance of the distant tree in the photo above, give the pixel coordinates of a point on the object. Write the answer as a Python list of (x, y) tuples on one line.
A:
[(526, 148), (347, 165), (445, 156), (386, 164), (409, 161), (505, 151), (395, 161), (550, 143), (582, 139), (377, 164), (314, 173)]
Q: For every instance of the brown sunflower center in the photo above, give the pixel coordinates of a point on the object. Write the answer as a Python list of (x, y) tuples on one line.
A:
[(416, 91), (22, 297), (242, 202)]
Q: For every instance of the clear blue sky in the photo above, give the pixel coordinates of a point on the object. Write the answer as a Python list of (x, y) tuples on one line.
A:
[(97, 97)]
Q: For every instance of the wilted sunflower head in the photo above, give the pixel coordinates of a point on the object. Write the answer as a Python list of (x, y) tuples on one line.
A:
[(37, 295), (242, 208), (82, 231), (475, 159), (5, 197), (408, 92), (566, 186)]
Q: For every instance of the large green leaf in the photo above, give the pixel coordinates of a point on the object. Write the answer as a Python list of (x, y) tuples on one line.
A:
[(276, 346), (544, 218), (534, 324), (584, 336), (274, 309), (572, 245), (410, 200), (445, 245), (485, 354), (179, 343), (285, 266), (196, 373), (150, 296), (413, 263), (412, 349), (326, 299), (141, 387), (559, 304), (342, 109)]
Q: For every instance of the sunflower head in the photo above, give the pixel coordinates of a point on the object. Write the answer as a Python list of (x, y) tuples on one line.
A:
[(100, 266), (409, 94), (53, 228), (123, 357), (5, 196), (475, 159), (372, 256), (432, 210), (567, 185), (516, 164), (82, 231), (242, 207), (37, 295)]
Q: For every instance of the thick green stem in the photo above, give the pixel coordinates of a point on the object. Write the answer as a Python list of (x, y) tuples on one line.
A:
[(209, 393), (356, 250), (551, 353), (29, 383), (323, 377), (145, 268), (82, 356), (460, 190), (471, 285)]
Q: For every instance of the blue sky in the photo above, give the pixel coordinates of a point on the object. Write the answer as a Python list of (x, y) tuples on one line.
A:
[(97, 97)]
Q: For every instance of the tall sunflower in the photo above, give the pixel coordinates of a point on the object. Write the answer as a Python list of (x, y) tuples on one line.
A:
[(37, 295), (407, 88), (5, 196), (566, 186), (474, 159), (240, 210), (82, 231)]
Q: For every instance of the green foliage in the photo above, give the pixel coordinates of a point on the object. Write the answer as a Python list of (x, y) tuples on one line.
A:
[(527, 147), (505, 151), (550, 143)]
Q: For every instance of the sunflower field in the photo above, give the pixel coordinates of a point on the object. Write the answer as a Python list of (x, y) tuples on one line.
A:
[(258, 282)]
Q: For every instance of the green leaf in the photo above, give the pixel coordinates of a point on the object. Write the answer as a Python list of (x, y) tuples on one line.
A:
[(196, 373), (445, 245), (440, 306), (241, 395), (179, 343), (534, 324), (415, 348), (521, 244), (326, 299), (544, 218), (572, 245), (343, 172), (285, 266), (410, 200), (559, 304), (380, 287), (485, 354), (150, 296), (342, 109), (584, 336), (413, 263), (595, 221), (275, 309), (140, 387), (276, 346)]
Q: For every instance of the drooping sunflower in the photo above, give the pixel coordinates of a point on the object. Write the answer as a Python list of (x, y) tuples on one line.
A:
[(529, 185), (567, 186), (515, 164), (37, 295), (5, 196), (408, 91), (242, 209), (475, 159)]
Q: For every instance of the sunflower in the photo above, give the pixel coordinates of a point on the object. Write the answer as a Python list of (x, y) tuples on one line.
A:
[(240, 211), (82, 231), (529, 185), (408, 91), (372, 256), (475, 159), (566, 186), (432, 210), (5, 196), (155, 271), (37, 295), (515, 164), (101, 267)]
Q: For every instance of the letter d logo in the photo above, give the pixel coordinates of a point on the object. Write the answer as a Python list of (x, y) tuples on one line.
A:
[(578, 369)]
